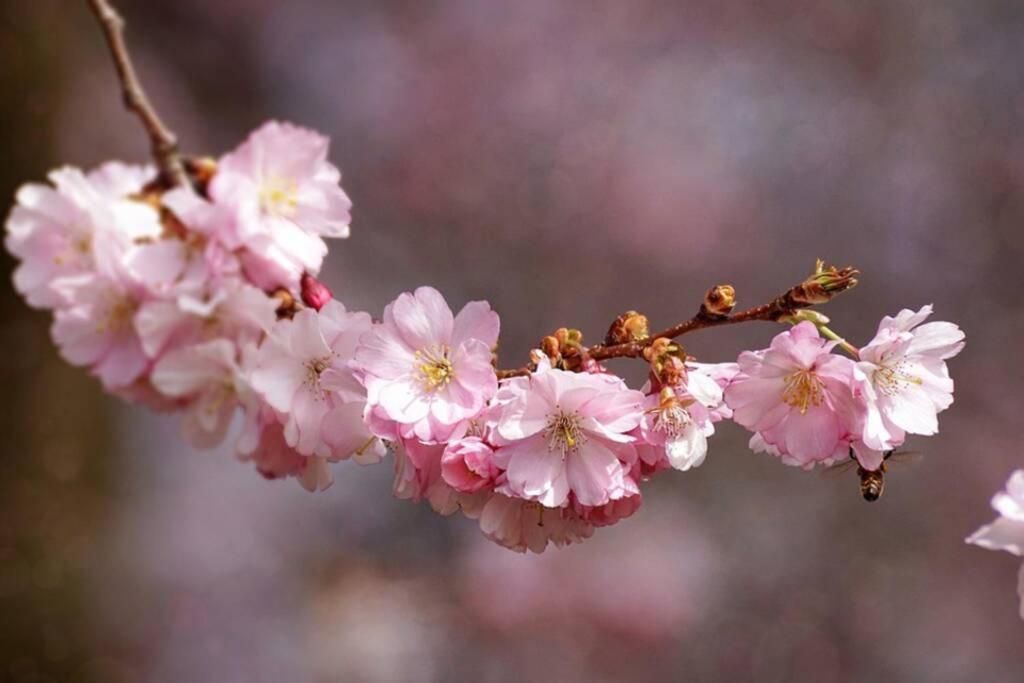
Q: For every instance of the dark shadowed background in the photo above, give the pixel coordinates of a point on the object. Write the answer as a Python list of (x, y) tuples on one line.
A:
[(566, 161)]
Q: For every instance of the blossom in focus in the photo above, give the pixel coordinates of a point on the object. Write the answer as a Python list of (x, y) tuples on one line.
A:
[(302, 371), (427, 372), (907, 382), (467, 465), (561, 432), (1007, 531), (284, 197), (798, 398), (678, 420)]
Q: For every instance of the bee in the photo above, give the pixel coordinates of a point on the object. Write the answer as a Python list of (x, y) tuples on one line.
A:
[(872, 482)]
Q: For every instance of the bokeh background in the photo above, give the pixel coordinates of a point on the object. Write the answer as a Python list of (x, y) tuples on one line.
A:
[(566, 161)]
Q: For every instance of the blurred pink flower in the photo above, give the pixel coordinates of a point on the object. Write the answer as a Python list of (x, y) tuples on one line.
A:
[(208, 375), (94, 326), (907, 382), (563, 432), (523, 525), (275, 459), (1007, 532), (425, 371), (798, 398), (284, 196), (54, 230)]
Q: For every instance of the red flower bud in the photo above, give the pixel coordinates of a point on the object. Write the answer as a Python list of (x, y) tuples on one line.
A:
[(314, 293)]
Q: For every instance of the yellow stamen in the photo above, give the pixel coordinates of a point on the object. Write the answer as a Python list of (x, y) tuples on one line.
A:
[(803, 389), (433, 368), (563, 432)]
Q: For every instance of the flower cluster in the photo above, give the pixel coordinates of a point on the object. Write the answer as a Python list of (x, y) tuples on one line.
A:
[(166, 296), (202, 299)]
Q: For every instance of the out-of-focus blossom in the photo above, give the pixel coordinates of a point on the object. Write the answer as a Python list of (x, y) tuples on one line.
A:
[(523, 525), (208, 376), (425, 370), (1007, 531), (798, 398), (284, 197), (94, 326), (54, 231), (562, 432), (275, 459), (908, 383)]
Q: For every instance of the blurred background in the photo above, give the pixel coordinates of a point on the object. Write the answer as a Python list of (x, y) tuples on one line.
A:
[(566, 161)]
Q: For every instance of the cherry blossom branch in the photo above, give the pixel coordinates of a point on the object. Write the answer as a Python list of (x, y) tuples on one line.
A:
[(629, 338), (163, 140)]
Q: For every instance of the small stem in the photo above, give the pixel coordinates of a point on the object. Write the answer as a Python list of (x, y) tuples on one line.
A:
[(822, 286), (846, 346), (163, 141)]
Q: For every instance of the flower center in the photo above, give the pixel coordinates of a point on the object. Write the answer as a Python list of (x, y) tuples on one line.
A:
[(803, 389), (118, 316), (279, 197), (315, 368), (672, 420), (77, 251), (433, 369), (891, 380), (563, 432)]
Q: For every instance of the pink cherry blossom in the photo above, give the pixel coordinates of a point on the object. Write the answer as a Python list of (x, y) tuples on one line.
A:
[(907, 382), (611, 512), (235, 310), (284, 197), (275, 459), (678, 420), (209, 377), (418, 476), (1007, 531), (523, 525), (798, 398), (52, 230), (562, 432), (425, 371), (303, 372), (94, 327), (467, 465)]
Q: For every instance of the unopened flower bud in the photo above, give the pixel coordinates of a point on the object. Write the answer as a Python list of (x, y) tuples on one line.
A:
[(550, 346), (628, 327), (719, 301), (668, 361), (201, 170), (315, 294), (824, 284), (537, 356), (287, 306)]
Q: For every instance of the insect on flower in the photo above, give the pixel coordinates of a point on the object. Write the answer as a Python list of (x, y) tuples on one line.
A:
[(872, 482)]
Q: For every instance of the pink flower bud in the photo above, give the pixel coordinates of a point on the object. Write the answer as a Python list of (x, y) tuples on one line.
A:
[(314, 293), (467, 465)]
